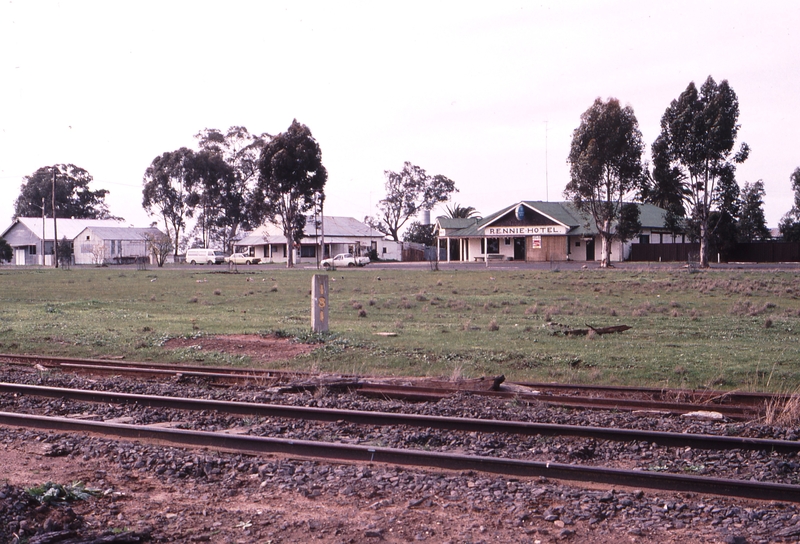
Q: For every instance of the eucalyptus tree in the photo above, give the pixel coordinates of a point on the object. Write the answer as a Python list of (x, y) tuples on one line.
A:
[(752, 223), (408, 192), (698, 133), (606, 168), (73, 196), (291, 182), (170, 191), (241, 151)]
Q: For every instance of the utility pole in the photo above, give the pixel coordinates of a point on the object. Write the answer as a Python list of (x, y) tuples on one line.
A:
[(55, 227), (43, 218)]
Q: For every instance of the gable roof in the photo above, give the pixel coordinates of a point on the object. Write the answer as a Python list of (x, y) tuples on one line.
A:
[(564, 213), (335, 227), (67, 228), (122, 233)]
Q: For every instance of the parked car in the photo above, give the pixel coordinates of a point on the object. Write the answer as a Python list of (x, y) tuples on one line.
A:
[(241, 258), (205, 256), (344, 259)]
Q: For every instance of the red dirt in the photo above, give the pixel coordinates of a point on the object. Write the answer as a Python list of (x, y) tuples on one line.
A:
[(261, 349)]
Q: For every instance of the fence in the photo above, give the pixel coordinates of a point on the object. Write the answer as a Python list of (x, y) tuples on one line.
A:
[(664, 252), (754, 252)]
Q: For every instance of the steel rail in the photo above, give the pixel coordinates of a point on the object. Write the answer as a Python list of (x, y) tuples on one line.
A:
[(412, 393), (73, 362), (695, 395), (393, 456), (249, 372), (607, 403), (671, 439)]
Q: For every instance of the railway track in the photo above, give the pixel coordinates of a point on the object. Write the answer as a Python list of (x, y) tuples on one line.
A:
[(409, 456), (734, 405), (368, 454), (523, 428)]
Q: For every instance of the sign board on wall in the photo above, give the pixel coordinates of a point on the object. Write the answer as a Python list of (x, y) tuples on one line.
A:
[(536, 242), (525, 231)]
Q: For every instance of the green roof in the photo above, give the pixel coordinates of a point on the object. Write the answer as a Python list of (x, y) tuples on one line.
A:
[(565, 213)]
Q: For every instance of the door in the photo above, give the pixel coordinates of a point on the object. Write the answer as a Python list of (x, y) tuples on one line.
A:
[(19, 256), (519, 249), (590, 249)]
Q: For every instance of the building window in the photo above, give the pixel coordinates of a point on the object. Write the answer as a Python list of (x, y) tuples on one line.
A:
[(578, 243), (492, 243), (308, 251), (32, 250), (507, 241), (644, 238)]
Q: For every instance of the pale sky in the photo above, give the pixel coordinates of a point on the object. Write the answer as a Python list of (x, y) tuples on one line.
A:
[(485, 93)]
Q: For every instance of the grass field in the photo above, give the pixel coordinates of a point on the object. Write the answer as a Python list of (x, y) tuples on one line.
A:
[(720, 329)]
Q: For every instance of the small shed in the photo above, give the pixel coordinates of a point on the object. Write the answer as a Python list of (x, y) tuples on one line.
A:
[(112, 245)]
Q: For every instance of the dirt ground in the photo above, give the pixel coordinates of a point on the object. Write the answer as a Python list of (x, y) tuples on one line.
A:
[(261, 349), (243, 509)]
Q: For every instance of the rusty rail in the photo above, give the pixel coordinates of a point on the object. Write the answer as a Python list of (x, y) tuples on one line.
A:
[(367, 454), (698, 441)]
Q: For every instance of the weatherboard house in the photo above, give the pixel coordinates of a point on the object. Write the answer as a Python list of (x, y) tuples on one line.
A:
[(539, 232), (339, 234), (94, 241)]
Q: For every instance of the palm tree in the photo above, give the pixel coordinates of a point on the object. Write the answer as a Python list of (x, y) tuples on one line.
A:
[(461, 212)]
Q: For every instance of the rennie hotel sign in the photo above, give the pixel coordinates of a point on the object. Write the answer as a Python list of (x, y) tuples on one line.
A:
[(525, 231)]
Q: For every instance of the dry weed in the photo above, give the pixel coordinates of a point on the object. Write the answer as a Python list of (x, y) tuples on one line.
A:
[(783, 411), (458, 373)]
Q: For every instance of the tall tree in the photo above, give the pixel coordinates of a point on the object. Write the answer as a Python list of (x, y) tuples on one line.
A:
[(216, 199), (241, 151), (73, 196), (752, 224), (605, 166), (698, 133), (291, 176), (408, 192), (790, 222), (664, 188), (723, 233), (170, 190)]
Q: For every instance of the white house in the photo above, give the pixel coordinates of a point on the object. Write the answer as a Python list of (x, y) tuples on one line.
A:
[(116, 245), (32, 238), (340, 235), (541, 231)]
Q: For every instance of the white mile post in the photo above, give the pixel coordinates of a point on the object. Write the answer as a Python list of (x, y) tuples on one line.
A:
[(319, 303)]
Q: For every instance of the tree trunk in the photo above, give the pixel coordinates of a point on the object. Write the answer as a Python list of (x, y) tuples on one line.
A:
[(704, 243), (605, 245), (289, 249)]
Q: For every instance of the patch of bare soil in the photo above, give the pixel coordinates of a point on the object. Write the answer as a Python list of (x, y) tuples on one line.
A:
[(261, 349)]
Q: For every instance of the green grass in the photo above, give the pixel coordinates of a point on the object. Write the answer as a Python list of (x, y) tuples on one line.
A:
[(718, 329)]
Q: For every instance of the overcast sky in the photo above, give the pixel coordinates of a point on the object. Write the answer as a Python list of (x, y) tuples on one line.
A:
[(485, 93)]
